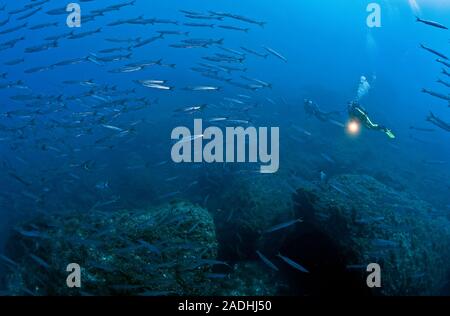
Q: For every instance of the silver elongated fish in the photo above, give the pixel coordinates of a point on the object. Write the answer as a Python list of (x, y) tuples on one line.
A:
[(292, 263), (40, 261), (283, 225), (445, 72), (8, 260), (443, 62), (267, 261), (434, 51), (275, 53), (431, 23), (437, 95), (202, 88), (447, 84), (114, 128)]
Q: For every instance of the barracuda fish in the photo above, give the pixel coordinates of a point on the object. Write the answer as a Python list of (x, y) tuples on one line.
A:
[(188, 12), (14, 29), (14, 62), (232, 51), (188, 46), (19, 179), (57, 11), (8, 261), (6, 21), (84, 34), (260, 82), (86, 83), (218, 119), (146, 63), (434, 51), (212, 75), (214, 67), (38, 69), (106, 59), (202, 88), (275, 53), (267, 261), (17, 11), (438, 122), (234, 28), (13, 42), (283, 225), (250, 51), (125, 40), (238, 17), (40, 261), (200, 41), (421, 129), (445, 72), (42, 47), (164, 21), (121, 5), (437, 95), (59, 36), (203, 17), (443, 62), (192, 109), (114, 128), (19, 84), (204, 70), (243, 86), (73, 61), (293, 264), (156, 86), (43, 25), (150, 82), (447, 84), (36, 4), (231, 58), (431, 23), (199, 25), (147, 41), (29, 14), (173, 33)]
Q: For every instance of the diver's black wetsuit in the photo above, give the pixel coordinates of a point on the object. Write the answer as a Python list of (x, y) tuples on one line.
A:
[(358, 113)]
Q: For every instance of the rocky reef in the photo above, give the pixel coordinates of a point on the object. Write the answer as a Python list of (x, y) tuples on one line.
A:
[(180, 248), (166, 250), (245, 209), (366, 222)]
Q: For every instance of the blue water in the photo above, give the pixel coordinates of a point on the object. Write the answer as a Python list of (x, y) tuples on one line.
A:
[(328, 47)]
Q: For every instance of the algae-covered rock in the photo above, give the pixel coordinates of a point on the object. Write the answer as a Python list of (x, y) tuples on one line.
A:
[(165, 250), (245, 209), (251, 278), (372, 223)]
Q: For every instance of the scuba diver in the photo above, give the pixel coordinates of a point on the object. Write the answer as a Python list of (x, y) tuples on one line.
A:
[(312, 109), (357, 113)]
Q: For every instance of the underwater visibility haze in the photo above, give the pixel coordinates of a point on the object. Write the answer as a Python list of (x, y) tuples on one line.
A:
[(168, 148)]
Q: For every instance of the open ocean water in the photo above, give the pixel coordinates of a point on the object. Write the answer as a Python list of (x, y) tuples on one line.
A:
[(224, 148)]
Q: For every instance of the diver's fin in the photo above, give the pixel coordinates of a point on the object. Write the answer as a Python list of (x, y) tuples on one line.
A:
[(389, 133)]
